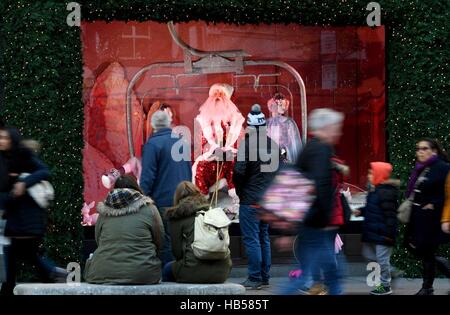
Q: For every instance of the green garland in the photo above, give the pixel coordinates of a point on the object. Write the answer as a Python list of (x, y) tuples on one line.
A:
[(41, 65)]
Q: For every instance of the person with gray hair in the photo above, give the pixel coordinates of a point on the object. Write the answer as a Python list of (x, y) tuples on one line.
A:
[(316, 250), (161, 173)]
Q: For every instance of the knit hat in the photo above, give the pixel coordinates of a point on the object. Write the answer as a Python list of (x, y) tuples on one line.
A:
[(256, 117), (380, 172), (160, 119)]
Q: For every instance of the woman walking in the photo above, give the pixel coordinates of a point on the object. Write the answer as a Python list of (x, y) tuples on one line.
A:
[(426, 189)]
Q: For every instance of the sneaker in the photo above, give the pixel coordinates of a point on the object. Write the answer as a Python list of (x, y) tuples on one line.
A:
[(252, 285), (425, 291), (265, 283), (317, 289), (304, 291), (381, 290)]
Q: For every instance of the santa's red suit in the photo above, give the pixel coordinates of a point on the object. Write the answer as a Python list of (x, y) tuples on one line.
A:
[(221, 126)]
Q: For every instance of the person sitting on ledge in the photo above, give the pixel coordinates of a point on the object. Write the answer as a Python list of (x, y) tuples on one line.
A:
[(129, 234), (187, 268)]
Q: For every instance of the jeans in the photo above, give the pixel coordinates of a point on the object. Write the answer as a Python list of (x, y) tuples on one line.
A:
[(318, 260), (26, 249), (255, 236), (165, 253), (167, 273), (382, 255)]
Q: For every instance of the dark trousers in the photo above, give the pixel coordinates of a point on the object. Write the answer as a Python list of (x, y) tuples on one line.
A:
[(167, 273), (316, 252), (27, 250), (429, 262), (165, 253)]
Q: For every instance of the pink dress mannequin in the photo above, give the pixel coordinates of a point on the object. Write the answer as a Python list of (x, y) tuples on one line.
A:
[(282, 129)]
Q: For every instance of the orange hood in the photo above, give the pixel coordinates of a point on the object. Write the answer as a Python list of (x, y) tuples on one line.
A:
[(381, 171)]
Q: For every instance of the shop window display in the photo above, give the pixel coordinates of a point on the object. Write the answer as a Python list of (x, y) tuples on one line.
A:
[(341, 67)]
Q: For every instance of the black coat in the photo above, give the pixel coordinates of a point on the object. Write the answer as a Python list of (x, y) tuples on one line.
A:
[(315, 163), (250, 182), (24, 217), (424, 227), (380, 224)]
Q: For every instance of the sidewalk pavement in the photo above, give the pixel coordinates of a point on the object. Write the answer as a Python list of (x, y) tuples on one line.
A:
[(358, 286)]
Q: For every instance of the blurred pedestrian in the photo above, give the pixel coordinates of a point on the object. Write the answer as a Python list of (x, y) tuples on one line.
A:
[(446, 211), (25, 220), (317, 235)]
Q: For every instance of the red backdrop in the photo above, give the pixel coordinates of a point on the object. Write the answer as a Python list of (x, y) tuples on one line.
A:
[(342, 67)]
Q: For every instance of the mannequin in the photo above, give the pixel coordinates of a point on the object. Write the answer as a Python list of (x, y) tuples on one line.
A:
[(221, 125), (282, 129)]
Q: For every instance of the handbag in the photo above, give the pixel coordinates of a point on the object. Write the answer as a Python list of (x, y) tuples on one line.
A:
[(404, 211), (287, 200), (405, 208), (346, 208), (42, 193)]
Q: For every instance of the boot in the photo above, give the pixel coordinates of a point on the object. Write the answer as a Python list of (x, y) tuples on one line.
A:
[(428, 277), (425, 291)]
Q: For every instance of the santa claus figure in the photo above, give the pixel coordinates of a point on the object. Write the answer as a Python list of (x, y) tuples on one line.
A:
[(283, 129), (220, 123)]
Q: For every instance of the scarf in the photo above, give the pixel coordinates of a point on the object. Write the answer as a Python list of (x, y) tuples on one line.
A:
[(419, 167), (122, 201)]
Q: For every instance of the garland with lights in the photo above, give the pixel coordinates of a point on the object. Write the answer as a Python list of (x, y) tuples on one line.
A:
[(41, 70)]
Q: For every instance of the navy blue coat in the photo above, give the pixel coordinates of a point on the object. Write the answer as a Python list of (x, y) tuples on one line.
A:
[(161, 174), (24, 216), (380, 224)]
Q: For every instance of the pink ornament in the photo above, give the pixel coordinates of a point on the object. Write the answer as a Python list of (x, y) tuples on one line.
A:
[(88, 219)]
